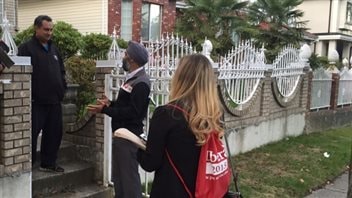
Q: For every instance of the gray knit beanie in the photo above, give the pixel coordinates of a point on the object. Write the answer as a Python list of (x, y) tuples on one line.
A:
[(137, 52)]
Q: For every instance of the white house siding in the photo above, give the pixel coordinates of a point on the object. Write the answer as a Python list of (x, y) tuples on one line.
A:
[(316, 12), (88, 16), (10, 9)]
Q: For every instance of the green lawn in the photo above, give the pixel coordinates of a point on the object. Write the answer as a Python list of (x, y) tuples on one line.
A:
[(294, 166)]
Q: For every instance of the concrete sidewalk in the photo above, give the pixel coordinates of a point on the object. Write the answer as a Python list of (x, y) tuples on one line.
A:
[(336, 189)]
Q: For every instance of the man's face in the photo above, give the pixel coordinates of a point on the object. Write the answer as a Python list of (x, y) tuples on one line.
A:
[(44, 32)]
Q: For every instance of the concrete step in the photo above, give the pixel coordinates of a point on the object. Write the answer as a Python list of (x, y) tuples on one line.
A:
[(86, 191), (76, 174), (67, 152)]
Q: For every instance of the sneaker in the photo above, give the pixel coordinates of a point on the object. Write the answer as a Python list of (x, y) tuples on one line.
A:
[(53, 169)]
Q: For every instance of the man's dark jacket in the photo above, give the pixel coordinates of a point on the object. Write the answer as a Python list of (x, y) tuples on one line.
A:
[(130, 108), (48, 77)]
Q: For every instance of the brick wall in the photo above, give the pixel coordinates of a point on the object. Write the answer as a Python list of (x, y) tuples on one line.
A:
[(265, 104), (15, 126), (168, 16)]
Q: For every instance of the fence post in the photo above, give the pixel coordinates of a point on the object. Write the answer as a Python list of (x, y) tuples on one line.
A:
[(309, 90), (334, 91), (349, 192)]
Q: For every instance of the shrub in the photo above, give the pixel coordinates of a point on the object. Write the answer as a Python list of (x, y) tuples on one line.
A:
[(81, 71), (96, 46), (316, 61), (122, 43), (66, 38), (24, 35)]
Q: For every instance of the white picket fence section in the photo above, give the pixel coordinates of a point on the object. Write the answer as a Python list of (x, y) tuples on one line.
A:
[(345, 88), (241, 69), (321, 89), (287, 70)]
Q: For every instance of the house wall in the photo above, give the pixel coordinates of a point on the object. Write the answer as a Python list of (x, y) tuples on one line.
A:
[(316, 12), (86, 16), (10, 8), (97, 16), (327, 18)]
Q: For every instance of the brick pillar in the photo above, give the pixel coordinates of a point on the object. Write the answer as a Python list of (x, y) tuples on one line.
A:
[(15, 121), (266, 94), (99, 120), (334, 91), (305, 88), (136, 22), (15, 131), (309, 90), (114, 16)]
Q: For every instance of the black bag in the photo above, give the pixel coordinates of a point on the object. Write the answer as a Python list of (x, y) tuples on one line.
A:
[(231, 194)]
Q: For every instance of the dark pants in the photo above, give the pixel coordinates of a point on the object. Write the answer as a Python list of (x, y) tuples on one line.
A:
[(47, 118), (125, 174)]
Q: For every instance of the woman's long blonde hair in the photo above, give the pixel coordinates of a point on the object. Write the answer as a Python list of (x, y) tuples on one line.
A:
[(193, 87)]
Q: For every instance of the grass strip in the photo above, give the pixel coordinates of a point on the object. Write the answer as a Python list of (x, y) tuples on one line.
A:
[(294, 166)]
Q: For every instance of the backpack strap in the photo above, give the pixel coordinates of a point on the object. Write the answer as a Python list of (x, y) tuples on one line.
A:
[(170, 160), (178, 108), (178, 174)]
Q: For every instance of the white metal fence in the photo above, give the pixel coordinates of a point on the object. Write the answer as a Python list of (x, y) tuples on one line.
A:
[(321, 89), (345, 88), (164, 55), (241, 69), (287, 71)]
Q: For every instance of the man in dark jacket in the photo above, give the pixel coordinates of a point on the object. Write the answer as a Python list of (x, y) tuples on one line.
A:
[(128, 111), (48, 88)]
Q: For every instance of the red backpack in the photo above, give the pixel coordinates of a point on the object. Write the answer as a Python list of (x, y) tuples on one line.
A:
[(214, 175)]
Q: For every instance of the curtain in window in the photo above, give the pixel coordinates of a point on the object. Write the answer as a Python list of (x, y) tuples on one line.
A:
[(151, 22), (126, 19), (349, 13)]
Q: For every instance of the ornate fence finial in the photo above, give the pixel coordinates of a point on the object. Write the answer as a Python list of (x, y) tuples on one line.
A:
[(114, 51), (305, 52), (207, 48), (7, 37), (333, 57), (345, 64)]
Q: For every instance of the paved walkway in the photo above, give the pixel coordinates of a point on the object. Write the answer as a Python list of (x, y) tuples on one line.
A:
[(337, 189)]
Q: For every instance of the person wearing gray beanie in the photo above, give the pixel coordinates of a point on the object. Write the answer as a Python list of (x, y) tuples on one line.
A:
[(137, 52), (128, 111)]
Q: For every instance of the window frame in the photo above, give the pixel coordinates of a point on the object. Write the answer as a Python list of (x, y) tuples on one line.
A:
[(150, 34)]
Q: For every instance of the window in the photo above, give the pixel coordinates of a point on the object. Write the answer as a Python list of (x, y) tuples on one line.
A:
[(126, 19), (349, 13), (151, 22)]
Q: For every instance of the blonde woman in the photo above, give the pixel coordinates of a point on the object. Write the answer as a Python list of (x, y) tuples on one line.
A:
[(181, 127)]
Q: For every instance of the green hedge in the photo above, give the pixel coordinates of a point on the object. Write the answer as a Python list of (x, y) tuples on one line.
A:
[(81, 71)]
